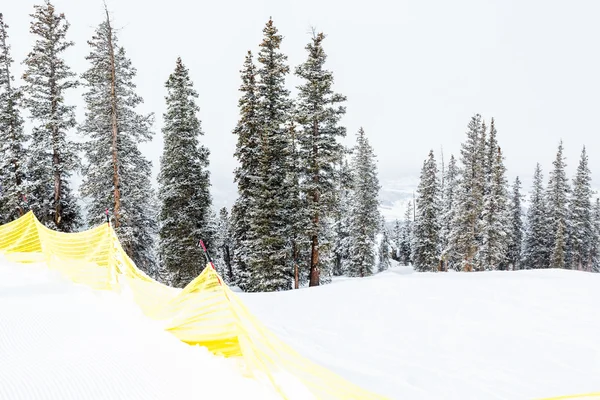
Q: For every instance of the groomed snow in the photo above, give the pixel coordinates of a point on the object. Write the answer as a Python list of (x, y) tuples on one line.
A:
[(63, 341), (496, 335), (492, 335)]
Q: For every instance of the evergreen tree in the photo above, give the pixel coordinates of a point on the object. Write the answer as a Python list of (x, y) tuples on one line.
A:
[(448, 211), (246, 175), (53, 158), (557, 196), (595, 256), (341, 220), (12, 138), (581, 228), (425, 243), (185, 214), (383, 258), (116, 176), (364, 211), (468, 198), (225, 247), (396, 237), (270, 226), (496, 225), (319, 111), (515, 238), (406, 236), (536, 250)]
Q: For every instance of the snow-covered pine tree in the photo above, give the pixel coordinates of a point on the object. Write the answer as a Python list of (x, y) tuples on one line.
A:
[(468, 198), (224, 247), (595, 256), (395, 237), (341, 220), (12, 138), (581, 227), (364, 209), (383, 256), (447, 214), (515, 237), (116, 175), (536, 251), (493, 252), (269, 243), (52, 156), (247, 173), (406, 236), (185, 213), (426, 230), (557, 194), (318, 112)]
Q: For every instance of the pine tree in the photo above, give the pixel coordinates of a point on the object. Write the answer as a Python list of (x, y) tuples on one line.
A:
[(319, 111), (557, 196), (581, 228), (116, 176), (406, 236), (341, 220), (364, 211), (53, 158), (185, 213), (269, 244), (395, 239), (447, 216), (515, 242), (12, 138), (425, 243), (246, 175), (536, 250), (223, 245), (595, 253), (383, 256), (468, 198)]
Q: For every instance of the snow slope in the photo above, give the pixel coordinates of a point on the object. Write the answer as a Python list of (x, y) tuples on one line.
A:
[(63, 341), (497, 335), (492, 335)]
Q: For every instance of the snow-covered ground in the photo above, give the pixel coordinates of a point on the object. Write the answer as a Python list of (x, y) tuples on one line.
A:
[(497, 335)]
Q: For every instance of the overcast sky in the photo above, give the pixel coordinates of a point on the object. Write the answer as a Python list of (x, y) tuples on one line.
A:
[(414, 72)]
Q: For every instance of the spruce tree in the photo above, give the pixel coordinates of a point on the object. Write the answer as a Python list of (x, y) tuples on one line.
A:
[(247, 173), (406, 236), (12, 138), (341, 220), (493, 252), (383, 256), (184, 183), (581, 227), (557, 194), (447, 215), (515, 237), (318, 112), (53, 157), (536, 250), (270, 226), (364, 209), (116, 176), (396, 236), (425, 243), (223, 244), (468, 198), (595, 254)]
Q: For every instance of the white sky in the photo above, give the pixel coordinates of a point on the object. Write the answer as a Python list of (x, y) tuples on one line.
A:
[(414, 72)]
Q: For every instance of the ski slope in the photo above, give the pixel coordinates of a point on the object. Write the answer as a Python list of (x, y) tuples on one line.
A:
[(497, 335)]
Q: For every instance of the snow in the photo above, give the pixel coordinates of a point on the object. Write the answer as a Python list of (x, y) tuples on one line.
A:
[(489, 335)]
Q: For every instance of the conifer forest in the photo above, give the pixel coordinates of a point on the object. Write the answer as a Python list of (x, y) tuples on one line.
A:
[(307, 206)]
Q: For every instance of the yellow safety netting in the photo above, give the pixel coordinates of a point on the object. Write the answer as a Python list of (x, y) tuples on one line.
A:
[(206, 312)]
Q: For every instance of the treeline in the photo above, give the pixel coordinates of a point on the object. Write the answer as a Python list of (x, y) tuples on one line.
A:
[(467, 217), (307, 206)]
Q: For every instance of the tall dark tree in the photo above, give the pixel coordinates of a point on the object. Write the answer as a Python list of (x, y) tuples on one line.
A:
[(406, 236), (581, 228), (53, 157), (425, 244), (364, 209), (342, 220), (536, 250), (516, 229), (183, 183), (247, 173), (447, 215), (116, 175), (270, 247), (557, 196), (12, 138), (319, 111)]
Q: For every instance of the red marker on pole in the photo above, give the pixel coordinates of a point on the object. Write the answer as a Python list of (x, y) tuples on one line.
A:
[(208, 259)]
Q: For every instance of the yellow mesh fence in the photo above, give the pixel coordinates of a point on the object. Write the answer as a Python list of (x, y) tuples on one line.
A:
[(206, 312)]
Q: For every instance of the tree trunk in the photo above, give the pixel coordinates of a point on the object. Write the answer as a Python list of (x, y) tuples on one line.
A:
[(115, 131)]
